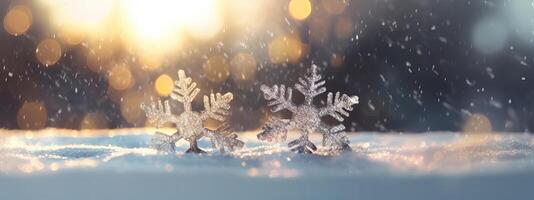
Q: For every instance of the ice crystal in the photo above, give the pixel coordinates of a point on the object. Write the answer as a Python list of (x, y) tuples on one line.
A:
[(306, 117), (189, 124)]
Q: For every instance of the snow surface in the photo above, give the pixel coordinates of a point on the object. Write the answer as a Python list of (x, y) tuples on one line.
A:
[(55, 164)]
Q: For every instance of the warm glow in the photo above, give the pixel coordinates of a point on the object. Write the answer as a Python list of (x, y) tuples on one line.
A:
[(477, 123), (120, 77), (18, 20), (285, 49), (94, 120), (300, 9), (48, 52), (164, 85), (89, 16), (217, 68), (243, 67), (32, 115), (160, 24), (130, 109)]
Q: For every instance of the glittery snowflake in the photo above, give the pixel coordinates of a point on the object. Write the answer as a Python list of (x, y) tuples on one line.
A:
[(306, 117), (189, 124)]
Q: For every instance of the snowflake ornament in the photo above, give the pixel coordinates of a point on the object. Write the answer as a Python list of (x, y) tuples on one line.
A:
[(306, 117), (189, 124)]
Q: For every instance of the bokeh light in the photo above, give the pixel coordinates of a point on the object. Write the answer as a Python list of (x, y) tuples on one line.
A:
[(48, 52), (243, 67), (18, 20), (489, 36), (477, 123), (131, 109), (216, 68), (164, 85), (32, 115), (72, 36), (285, 49), (80, 15), (94, 120), (120, 77), (300, 9)]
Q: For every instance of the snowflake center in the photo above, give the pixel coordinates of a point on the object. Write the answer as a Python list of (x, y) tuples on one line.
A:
[(191, 125), (306, 118)]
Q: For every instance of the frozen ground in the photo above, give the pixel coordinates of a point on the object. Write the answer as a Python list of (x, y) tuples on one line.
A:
[(54, 164)]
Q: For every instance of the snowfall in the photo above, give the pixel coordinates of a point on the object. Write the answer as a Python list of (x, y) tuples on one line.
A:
[(119, 164)]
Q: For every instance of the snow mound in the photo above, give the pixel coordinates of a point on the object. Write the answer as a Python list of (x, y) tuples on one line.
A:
[(112, 165)]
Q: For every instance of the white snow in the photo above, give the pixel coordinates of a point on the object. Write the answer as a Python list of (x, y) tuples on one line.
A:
[(118, 164)]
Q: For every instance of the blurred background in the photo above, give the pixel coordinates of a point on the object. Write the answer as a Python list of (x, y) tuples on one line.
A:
[(417, 65)]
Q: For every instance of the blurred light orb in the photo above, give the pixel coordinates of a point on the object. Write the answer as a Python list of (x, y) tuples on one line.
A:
[(131, 110), (120, 77), (489, 36), (150, 61), (18, 20), (216, 68), (100, 55), (164, 85), (300, 9), (72, 37), (32, 115), (243, 67), (520, 18), (477, 123), (159, 25), (202, 18), (285, 49), (255, 11), (48, 52), (94, 120), (88, 16)]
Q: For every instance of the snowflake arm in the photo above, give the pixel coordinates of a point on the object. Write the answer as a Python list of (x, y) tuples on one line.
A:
[(159, 112), (311, 86), (223, 139), (185, 90), (338, 106), (165, 143), (275, 130), (302, 145), (336, 138), (216, 106), (278, 97)]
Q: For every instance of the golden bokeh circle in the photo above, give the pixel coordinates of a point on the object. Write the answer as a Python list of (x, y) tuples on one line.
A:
[(18, 20), (285, 49), (131, 108), (300, 9), (94, 120), (216, 68), (48, 52), (70, 36), (164, 85), (477, 123), (32, 115), (120, 77), (243, 67)]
